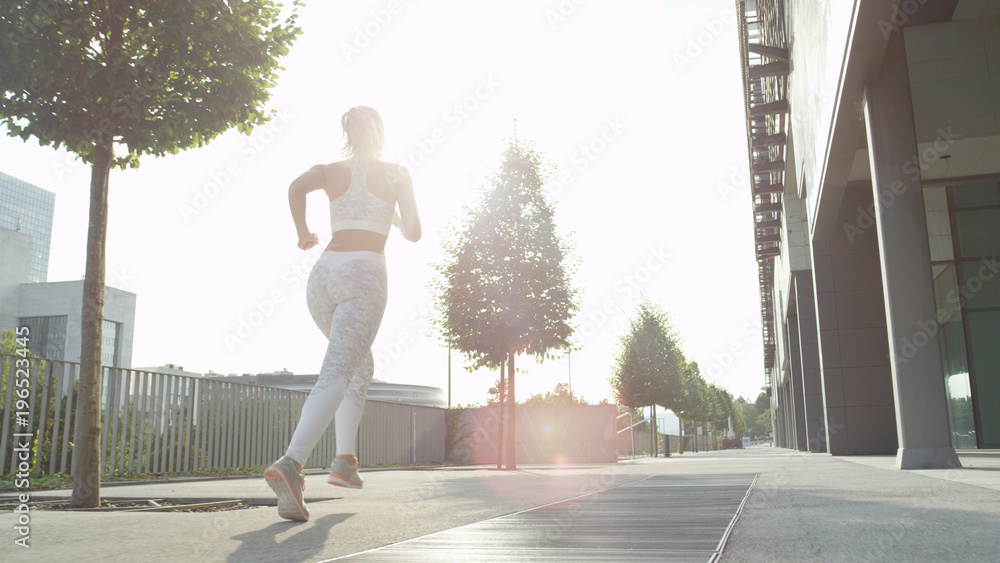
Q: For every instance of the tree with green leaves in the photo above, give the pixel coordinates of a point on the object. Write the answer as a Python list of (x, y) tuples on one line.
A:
[(560, 395), (648, 362), (504, 286), (112, 81), (694, 404)]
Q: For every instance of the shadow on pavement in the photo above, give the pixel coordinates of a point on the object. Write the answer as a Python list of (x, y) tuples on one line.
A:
[(304, 545)]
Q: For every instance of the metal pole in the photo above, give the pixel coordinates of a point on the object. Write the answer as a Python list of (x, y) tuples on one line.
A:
[(569, 360), (449, 377)]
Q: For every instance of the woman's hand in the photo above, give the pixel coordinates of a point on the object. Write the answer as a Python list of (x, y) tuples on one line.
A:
[(397, 220), (308, 241)]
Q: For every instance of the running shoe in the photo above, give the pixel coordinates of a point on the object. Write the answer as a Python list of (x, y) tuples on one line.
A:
[(289, 485), (344, 473)]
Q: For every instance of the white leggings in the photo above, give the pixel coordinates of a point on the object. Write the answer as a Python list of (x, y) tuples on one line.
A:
[(346, 295)]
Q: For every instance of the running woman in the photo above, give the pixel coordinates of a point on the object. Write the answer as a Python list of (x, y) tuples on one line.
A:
[(346, 295)]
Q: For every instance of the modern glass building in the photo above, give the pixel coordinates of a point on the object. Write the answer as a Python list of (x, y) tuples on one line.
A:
[(873, 133), (28, 209), (51, 310)]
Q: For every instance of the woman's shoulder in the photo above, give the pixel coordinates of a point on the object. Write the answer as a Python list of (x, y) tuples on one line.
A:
[(394, 172)]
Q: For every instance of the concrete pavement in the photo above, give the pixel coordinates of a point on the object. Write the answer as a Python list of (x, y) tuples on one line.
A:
[(803, 507)]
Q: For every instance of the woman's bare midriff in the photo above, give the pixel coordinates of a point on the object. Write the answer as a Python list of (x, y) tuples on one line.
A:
[(357, 239)]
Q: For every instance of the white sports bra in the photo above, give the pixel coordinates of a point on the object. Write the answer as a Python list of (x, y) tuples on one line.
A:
[(359, 208)]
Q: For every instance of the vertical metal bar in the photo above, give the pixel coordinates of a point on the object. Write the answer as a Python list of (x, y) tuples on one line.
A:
[(228, 433), (244, 433), (70, 379), (217, 424), (133, 444), (199, 426), (258, 459), (58, 426), (234, 427), (239, 439), (147, 433), (217, 410), (157, 422), (188, 422), (272, 421), (113, 410), (174, 424), (43, 416), (123, 450), (104, 376)]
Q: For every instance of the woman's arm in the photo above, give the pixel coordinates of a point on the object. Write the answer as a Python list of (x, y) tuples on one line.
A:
[(408, 219), (312, 180)]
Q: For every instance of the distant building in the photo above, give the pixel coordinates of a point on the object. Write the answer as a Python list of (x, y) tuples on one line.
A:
[(52, 311), (873, 131), (28, 209), (420, 395), (170, 369)]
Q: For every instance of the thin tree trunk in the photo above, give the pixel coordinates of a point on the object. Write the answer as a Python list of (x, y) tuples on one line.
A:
[(511, 444), (501, 418), (656, 434), (680, 447), (87, 440)]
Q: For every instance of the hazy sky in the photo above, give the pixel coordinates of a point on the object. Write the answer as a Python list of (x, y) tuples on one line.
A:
[(638, 105)]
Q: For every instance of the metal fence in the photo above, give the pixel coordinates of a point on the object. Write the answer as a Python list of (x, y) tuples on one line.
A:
[(162, 423)]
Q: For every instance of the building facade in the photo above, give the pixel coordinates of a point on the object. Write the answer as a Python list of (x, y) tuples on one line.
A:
[(28, 209), (873, 131), (52, 311)]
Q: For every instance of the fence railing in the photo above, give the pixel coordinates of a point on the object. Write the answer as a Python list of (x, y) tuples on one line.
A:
[(162, 423)]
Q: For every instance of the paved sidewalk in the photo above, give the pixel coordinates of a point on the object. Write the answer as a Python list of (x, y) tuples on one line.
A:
[(803, 507)]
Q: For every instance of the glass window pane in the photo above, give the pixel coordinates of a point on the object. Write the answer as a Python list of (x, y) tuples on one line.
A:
[(984, 350), (951, 338), (981, 284), (978, 232), (975, 195)]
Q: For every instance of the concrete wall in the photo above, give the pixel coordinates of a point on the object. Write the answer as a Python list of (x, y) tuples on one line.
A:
[(66, 298), (15, 256), (569, 434), (854, 344)]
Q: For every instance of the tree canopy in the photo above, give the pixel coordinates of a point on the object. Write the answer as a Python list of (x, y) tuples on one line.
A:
[(152, 77), (504, 285), (648, 362)]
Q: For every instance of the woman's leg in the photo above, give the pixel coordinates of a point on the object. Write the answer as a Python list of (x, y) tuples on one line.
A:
[(353, 326), (349, 414)]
